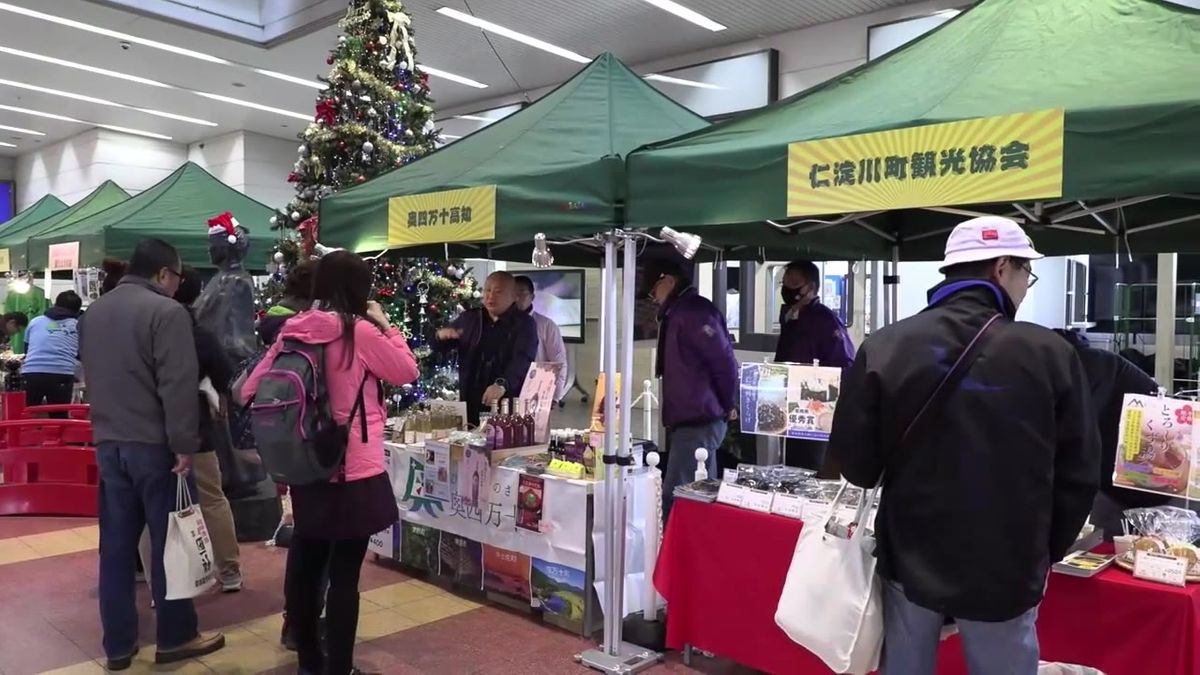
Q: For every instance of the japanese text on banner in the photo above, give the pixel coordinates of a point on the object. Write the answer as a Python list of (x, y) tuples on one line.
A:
[(448, 216), (990, 159)]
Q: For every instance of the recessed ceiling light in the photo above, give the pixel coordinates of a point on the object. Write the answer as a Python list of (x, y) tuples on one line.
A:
[(19, 130), (687, 14), (452, 77), (133, 78), (680, 81), (450, 136), (252, 104), (512, 34), (64, 118), (474, 118), (6, 145), (283, 76), (106, 102)]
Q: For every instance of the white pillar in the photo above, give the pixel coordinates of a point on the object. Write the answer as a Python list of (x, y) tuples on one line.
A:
[(1164, 323)]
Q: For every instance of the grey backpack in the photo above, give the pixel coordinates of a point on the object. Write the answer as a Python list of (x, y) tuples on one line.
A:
[(293, 425)]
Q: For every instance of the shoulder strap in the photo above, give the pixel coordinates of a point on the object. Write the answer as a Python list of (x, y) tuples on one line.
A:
[(952, 377), (360, 407)]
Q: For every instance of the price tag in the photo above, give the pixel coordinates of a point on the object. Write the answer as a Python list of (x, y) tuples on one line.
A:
[(815, 512), (1164, 569), (757, 500), (731, 494), (729, 476), (791, 506)]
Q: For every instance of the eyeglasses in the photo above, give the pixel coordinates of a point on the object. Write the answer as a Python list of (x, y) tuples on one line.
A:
[(1033, 278), (177, 273)]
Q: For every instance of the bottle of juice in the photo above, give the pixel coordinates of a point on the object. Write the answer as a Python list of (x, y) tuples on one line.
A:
[(491, 429), (503, 424), (530, 427)]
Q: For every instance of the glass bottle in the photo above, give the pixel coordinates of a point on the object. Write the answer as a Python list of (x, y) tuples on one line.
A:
[(491, 429), (530, 427), (504, 437), (520, 435)]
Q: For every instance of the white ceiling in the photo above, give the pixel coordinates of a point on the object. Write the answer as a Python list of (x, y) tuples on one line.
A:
[(634, 30)]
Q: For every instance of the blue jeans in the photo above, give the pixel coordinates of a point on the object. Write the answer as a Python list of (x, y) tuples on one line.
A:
[(137, 489), (682, 442), (992, 648)]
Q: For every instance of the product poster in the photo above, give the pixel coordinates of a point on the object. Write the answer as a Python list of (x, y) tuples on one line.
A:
[(437, 471), (506, 573), (461, 561), (474, 479), (795, 401), (538, 394), (598, 420), (531, 493), (1155, 446), (558, 589), (419, 547)]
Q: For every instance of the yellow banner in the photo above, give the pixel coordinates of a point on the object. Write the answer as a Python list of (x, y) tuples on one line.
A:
[(991, 159), (5, 265), (443, 217)]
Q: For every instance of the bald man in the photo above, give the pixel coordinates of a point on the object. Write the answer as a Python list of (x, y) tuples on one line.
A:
[(495, 345)]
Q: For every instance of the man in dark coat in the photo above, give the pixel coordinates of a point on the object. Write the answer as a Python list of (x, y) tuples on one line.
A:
[(495, 343), (698, 369), (994, 483)]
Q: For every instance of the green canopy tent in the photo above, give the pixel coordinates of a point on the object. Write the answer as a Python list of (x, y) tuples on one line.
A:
[(1117, 68), (175, 209), (42, 208), (106, 195), (557, 166)]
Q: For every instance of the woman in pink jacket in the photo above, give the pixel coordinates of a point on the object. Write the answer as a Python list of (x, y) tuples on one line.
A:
[(334, 520)]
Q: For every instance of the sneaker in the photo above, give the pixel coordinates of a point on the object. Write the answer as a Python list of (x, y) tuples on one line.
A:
[(123, 663), (231, 583), (201, 645)]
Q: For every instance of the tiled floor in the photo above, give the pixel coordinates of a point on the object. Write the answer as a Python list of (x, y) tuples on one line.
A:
[(49, 622)]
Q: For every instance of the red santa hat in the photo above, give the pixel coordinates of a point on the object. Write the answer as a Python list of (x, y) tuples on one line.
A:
[(224, 224)]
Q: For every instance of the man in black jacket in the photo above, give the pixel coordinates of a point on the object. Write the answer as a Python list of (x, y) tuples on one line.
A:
[(495, 343), (994, 483)]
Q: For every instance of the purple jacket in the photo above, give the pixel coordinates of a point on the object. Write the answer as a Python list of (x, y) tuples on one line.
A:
[(815, 335), (695, 361)]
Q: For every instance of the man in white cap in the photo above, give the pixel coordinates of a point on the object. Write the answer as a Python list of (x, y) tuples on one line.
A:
[(978, 428)]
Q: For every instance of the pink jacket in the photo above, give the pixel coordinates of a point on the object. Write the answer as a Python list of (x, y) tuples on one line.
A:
[(381, 356)]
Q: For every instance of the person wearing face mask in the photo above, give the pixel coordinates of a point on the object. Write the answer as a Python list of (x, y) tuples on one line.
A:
[(698, 369), (979, 430), (811, 333)]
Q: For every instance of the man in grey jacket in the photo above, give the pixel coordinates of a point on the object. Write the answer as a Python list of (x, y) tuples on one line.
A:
[(139, 359)]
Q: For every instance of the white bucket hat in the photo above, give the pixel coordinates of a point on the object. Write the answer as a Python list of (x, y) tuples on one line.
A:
[(987, 238)]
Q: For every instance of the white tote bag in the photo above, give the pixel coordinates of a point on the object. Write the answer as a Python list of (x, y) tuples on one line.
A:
[(187, 555), (831, 602)]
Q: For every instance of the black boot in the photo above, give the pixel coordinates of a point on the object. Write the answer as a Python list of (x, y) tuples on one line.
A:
[(286, 637)]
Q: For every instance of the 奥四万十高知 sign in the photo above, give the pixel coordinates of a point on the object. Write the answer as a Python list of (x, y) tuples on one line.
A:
[(464, 215), (990, 159)]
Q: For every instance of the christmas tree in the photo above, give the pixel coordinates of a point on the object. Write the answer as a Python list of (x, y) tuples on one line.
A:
[(375, 114), (420, 296)]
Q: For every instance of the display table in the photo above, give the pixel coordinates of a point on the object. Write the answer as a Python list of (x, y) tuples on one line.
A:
[(721, 570)]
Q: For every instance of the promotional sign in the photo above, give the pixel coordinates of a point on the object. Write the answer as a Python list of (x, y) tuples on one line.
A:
[(538, 396), (443, 217), (791, 400), (558, 590), (990, 159), (5, 266), (1156, 446), (506, 573), (64, 256)]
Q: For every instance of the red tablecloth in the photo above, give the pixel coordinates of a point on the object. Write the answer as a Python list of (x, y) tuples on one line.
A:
[(721, 570)]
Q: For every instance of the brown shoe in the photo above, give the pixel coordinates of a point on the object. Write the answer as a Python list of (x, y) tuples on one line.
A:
[(201, 645)]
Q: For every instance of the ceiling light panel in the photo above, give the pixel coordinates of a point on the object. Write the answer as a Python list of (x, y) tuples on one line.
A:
[(687, 14), (452, 77), (64, 118), (680, 81), (106, 102), (6, 145), (512, 34), (20, 130)]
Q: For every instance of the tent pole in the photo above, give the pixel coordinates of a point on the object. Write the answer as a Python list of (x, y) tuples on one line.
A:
[(615, 656), (1165, 223), (894, 288), (1087, 211), (1164, 322)]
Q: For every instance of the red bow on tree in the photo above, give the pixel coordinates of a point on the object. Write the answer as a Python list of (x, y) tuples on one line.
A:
[(308, 236), (327, 111)]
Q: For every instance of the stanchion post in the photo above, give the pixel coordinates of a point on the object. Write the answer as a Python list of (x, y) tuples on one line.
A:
[(647, 410), (652, 532)]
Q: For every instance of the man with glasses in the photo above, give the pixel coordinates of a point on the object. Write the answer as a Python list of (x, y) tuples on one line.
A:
[(139, 359), (993, 482)]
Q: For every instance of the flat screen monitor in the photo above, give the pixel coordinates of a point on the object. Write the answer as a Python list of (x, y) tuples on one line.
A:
[(559, 295), (7, 200)]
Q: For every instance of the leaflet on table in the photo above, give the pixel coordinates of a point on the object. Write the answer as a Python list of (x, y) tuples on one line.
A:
[(791, 400), (1156, 446)]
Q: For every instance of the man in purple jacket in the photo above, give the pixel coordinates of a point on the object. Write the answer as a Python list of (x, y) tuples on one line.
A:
[(809, 332), (698, 370)]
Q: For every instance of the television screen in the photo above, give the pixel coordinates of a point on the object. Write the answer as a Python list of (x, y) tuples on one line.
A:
[(558, 294), (7, 201)]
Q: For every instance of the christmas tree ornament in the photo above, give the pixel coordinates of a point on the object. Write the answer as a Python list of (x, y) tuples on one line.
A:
[(368, 147), (274, 220), (296, 216), (279, 257)]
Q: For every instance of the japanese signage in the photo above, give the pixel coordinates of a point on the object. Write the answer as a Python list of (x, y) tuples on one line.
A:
[(449, 216), (795, 401), (990, 159), (63, 256), (1156, 446), (5, 266)]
